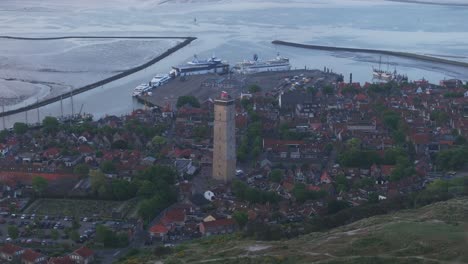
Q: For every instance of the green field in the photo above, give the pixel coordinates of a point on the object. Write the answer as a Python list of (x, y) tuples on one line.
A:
[(437, 233), (81, 208)]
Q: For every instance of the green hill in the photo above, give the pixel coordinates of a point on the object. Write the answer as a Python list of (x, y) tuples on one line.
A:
[(437, 233)]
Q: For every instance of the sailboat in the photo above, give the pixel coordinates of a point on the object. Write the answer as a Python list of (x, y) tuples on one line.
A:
[(381, 74)]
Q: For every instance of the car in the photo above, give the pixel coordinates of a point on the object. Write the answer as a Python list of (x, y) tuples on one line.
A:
[(13, 215), (85, 219), (24, 216), (8, 239)]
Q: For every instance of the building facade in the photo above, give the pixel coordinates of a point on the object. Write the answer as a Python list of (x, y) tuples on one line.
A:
[(224, 145)]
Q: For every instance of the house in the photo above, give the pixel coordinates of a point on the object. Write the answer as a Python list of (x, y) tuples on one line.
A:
[(325, 178), (174, 217), (220, 226), (184, 166), (30, 256), (61, 260), (10, 252), (4, 149), (159, 231), (83, 255)]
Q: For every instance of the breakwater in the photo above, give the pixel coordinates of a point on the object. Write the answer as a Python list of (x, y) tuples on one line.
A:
[(185, 42), (407, 55)]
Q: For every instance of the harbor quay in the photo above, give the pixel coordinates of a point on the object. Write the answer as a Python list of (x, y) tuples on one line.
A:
[(206, 86)]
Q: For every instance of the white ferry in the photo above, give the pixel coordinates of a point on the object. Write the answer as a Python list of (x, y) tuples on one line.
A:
[(196, 66), (160, 79), (278, 64)]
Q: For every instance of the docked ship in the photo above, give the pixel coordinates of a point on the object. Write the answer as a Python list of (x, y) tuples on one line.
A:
[(278, 64), (197, 66), (159, 80)]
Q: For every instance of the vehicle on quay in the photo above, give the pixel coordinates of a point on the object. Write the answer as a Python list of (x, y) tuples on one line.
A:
[(142, 88)]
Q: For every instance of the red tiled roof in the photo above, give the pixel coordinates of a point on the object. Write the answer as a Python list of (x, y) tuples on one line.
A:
[(421, 138), (61, 260), (174, 215), (10, 249), (387, 169), (30, 255), (158, 229), (218, 223), (84, 252), (311, 187), (84, 149)]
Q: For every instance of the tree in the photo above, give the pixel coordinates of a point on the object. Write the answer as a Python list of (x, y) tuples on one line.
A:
[(120, 144), (276, 175), (13, 232), (253, 88), (81, 169), (74, 235), (241, 218), (391, 120), (158, 141), (108, 167), (97, 179), (54, 234), (39, 184), (20, 128), (335, 206), (50, 124), (3, 135), (328, 90), (312, 90), (190, 100)]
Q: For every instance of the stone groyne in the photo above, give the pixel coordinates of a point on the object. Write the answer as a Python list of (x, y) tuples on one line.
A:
[(407, 55)]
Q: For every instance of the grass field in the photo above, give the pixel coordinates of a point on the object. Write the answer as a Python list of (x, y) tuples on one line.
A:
[(436, 233), (80, 208)]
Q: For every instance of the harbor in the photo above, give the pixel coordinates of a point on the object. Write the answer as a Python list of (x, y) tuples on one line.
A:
[(206, 86)]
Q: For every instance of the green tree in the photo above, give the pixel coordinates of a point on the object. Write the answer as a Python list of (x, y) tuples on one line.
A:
[(312, 90), (335, 206), (97, 179), (108, 167), (328, 90), (50, 124), (3, 135), (254, 88), (391, 120), (241, 218), (13, 232), (158, 141), (39, 184), (276, 175), (20, 128), (81, 169), (74, 235), (54, 234), (190, 100)]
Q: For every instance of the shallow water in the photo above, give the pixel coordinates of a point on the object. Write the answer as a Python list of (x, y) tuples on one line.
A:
[(234, 31)]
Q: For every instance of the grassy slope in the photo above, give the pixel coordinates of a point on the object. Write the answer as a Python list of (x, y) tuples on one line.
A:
[(433, 234)]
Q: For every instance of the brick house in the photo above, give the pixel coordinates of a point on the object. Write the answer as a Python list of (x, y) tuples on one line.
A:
[(10, 252), (220, 226), (83, 255), (30, 256)]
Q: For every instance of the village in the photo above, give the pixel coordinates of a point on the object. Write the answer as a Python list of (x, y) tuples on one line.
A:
[(309, 145)]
